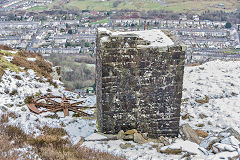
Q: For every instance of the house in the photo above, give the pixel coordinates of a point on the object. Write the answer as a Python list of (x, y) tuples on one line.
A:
[(196, 17)]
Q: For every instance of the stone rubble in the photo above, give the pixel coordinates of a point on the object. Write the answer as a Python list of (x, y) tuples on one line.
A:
[(188, 133)]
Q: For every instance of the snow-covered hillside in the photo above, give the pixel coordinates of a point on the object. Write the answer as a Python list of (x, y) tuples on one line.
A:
[(211, 103), (220, 82), (211, 96), (15, 87)]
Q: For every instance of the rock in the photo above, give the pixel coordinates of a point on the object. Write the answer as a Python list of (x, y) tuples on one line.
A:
[(158, 146), (153, 140), (95, 136), (200, 125), (188, 133), (201, 133), (123, 146), (145, 135), (219, 147), (203, 150), (208, 142), (202, 116), (231, 141), (128, 137), (170, 151), (132, 131), (224, 134), (120, 134), (129, 145), (138, 138), (210, 123), (126, 145), (164, 140), (234, 133)]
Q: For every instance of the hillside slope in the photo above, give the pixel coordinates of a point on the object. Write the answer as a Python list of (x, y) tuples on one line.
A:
[(210, 105), (26, 135), (170, 5)]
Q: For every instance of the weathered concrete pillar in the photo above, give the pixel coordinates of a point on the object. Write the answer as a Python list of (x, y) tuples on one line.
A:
[(139, 82)]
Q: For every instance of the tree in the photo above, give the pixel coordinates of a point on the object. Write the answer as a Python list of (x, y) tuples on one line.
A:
[(67, 44), (86, 44), (67, 25), (70, 31), (228, 25)]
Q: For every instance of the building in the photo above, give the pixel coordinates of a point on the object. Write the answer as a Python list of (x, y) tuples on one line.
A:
[(139, 82)]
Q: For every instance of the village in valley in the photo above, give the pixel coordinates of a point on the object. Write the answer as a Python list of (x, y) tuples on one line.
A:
[(67, 32)]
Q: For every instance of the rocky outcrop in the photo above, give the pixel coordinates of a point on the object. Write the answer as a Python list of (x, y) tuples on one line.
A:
[(138, 138), (188, 133)]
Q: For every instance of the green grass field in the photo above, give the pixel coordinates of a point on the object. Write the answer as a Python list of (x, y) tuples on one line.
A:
[(107, 20), (171, 5), (90, 5), (38, 8)]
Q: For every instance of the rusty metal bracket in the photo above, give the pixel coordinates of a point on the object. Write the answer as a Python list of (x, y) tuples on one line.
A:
[(52, 105)]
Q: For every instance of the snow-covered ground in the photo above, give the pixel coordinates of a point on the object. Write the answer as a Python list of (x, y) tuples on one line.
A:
[(220, 81), (217, 80), (29, 85)]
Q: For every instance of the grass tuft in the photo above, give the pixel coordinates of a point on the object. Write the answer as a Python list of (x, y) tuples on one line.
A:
[(4, 47), (4, 118)]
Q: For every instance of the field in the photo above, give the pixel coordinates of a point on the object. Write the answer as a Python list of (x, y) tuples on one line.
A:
[(38, 8), (171, 5), (101, 21)]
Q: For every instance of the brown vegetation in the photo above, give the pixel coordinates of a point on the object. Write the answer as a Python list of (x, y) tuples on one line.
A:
[(85, 59), (1, 70), (4, 47), (203, 101), (1, 73), (14, 92), (75, 75), (5, 147), (50, 145), (41, 66), (28, 99), (4, 118)]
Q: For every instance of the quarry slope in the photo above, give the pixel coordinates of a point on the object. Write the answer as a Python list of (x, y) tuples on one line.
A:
[(210, 103)]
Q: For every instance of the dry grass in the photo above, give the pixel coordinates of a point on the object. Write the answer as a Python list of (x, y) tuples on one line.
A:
[(4, 47), (1, 73), (1, 70), (4, 118), (203, 101), (15, 134), (52, 145), (49, 146), (5, 147), (13, 115), (42, 67), (54, 131)]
